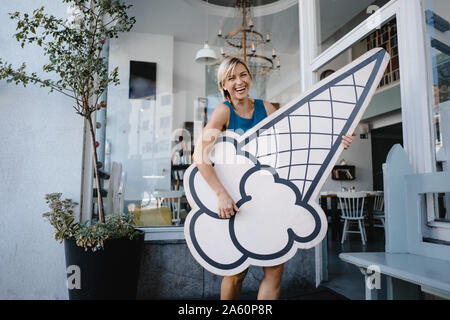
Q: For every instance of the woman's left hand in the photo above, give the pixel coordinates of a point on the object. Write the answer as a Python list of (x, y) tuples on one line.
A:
[(347, 140)]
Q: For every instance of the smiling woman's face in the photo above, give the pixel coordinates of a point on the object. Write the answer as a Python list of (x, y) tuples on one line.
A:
[(238, 82)]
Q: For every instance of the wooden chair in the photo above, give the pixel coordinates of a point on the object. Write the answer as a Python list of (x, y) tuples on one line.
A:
[(378, 208), (352, 211)]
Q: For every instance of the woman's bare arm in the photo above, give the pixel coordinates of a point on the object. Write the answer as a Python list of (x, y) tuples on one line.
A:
[(202, 150)]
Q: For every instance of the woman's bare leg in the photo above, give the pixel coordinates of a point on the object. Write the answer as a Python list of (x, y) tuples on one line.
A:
[(232, 285), (270, 286)]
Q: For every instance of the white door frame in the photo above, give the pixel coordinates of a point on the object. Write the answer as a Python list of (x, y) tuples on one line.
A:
[(416, 99)]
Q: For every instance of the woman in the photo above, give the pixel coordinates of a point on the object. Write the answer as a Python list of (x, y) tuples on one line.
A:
[(238, 113)]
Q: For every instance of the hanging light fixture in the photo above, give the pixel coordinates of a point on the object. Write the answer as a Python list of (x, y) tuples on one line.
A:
[(206, 55), (246, 40)]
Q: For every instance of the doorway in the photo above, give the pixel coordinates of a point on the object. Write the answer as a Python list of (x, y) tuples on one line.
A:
[(368, 153), (383, 139)]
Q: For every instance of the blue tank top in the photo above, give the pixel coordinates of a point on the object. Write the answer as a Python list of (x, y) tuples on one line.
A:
[(241, 125)]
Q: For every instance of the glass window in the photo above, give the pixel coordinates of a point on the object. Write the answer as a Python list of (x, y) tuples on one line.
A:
[(165, 98), (438, 34), (337, 18)]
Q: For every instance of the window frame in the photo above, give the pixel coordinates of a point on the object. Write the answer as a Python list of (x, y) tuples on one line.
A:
[(437, 230), (163, 233)]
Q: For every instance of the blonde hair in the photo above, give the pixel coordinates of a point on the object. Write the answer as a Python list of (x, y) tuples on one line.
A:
[(225, 69)]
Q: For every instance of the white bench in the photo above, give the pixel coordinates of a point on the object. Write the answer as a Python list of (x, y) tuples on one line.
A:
[(410, 265), (406, 275)]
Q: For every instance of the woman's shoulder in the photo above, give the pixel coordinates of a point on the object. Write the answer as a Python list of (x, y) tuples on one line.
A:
[(221, 113), (222, 108), (269, 107), (262, 102)]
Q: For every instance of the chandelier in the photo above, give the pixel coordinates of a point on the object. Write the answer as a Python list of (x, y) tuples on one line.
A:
[(246, 40)]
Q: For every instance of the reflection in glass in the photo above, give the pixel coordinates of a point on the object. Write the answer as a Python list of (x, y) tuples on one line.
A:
[(438, 28), (337, 18)]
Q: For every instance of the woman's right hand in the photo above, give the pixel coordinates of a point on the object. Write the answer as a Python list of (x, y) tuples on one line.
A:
[(227, 207)]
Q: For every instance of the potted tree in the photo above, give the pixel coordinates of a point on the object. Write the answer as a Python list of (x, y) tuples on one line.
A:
[(108, 251), (104, 256)]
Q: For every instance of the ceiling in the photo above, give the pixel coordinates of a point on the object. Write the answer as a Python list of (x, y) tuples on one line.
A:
[(335, 13), (186, 20), (231, 3)]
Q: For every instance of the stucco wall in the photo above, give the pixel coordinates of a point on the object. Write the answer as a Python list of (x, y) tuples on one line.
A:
[(41, 153)]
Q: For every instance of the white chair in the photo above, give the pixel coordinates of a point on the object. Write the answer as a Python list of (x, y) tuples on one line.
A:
[(378, 208), (352, 212), (171, 199)]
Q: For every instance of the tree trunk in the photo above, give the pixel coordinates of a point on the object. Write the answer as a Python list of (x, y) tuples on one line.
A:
[(97, 178)]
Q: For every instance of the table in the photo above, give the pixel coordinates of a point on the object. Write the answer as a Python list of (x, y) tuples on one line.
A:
[(335, 219)]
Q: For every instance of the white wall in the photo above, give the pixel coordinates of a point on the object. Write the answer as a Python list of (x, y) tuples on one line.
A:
[(188, 81), (359, 155), (440, 7), (386, 120), (284, 85), (41, 153)]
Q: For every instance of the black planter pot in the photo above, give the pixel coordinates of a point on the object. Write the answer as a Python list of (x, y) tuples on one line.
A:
[(110, 273)]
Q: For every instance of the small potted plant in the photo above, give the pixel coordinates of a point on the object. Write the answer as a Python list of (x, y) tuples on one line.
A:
[(105, 256), (104, 250)]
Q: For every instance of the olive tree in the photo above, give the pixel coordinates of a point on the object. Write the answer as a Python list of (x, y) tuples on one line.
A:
[(73, 46)]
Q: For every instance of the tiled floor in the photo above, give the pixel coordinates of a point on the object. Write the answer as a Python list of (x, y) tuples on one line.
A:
[(320, 293), (344, 278)]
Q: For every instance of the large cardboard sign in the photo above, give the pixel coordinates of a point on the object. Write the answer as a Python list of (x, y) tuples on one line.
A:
[(274, 173)]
